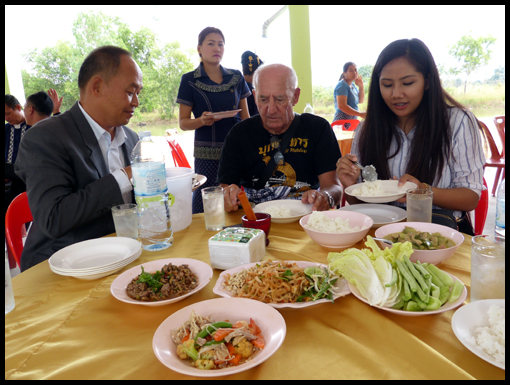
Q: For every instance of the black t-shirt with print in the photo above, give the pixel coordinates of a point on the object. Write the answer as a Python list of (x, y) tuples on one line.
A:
[(312, 151)]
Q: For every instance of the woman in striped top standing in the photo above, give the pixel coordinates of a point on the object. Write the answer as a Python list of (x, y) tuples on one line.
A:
[(414, 131)]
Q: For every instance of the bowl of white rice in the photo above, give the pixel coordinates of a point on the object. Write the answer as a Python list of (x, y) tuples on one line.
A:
[(336, 229), (284, 210), (480, 327)]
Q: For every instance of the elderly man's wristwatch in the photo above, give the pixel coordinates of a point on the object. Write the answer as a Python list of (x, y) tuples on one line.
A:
[(331, 201)]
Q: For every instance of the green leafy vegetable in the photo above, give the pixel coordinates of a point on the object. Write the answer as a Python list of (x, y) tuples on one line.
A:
[(150, 279)]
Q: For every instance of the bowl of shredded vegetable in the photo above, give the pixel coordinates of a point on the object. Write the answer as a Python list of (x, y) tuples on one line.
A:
[(432, 243)]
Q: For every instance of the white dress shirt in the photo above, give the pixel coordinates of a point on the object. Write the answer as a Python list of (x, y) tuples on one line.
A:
[(112, 154)]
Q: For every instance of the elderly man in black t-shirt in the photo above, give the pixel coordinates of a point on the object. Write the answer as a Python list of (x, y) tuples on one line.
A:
[(258, 156)]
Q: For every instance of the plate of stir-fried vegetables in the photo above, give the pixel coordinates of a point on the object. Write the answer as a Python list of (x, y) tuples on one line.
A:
[(219, 337)]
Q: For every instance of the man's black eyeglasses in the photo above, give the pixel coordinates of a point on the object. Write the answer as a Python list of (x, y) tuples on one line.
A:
[(278, 156)]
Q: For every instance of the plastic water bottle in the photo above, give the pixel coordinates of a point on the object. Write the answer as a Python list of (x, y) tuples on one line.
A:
[(151, 193), (499, 230), (308, 109)]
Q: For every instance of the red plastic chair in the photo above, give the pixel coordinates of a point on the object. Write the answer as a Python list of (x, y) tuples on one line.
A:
[(495, 159), (178, 154), (17, 215), (353, 124), (481, 210)]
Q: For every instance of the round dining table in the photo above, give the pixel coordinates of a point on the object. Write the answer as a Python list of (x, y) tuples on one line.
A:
[(64, 328)]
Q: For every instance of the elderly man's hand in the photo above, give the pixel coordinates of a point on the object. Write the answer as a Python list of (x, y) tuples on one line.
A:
[(230, 197), (319, 200)]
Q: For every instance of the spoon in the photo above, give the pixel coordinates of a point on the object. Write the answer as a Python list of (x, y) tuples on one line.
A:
[(368, 172), (388, 242)]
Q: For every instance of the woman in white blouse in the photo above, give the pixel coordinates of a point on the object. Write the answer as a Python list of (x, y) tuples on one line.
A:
[(414, 131)]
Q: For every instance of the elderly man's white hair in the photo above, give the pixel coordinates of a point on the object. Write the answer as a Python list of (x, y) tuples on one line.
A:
[(292, 80)]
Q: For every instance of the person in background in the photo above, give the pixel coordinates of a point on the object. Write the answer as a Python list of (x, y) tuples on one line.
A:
[(415, 131), (38, 106), (77, 165), (306, 168), (347, 96), (15, 129), (250, 62), (210, 88)]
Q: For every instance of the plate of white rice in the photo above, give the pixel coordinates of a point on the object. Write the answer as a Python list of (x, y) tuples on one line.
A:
[(284, 210), (480, 327), (379, 191)]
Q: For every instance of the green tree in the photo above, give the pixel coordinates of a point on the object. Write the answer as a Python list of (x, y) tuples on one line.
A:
[(366, 73), (58, 66), (472, 53)]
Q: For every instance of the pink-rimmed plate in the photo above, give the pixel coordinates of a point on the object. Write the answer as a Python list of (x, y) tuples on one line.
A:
[(201, 269), (341, 285), (269, 320), (447, 306)]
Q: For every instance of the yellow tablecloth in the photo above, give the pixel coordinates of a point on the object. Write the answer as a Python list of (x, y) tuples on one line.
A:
[(66, 328)]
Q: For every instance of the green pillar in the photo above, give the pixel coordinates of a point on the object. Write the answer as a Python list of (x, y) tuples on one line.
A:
[(7, 88), (301, 57)]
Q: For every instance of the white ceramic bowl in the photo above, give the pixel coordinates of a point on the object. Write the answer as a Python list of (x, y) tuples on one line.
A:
[(430, 256), (270, 321), (340, 240)]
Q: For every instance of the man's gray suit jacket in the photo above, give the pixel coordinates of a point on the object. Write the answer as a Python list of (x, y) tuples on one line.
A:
[(70, 190)]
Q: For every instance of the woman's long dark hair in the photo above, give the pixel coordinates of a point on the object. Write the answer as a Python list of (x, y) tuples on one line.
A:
[(431, 144)]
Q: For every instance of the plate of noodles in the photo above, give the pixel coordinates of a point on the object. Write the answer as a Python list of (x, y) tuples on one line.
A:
[(379, 191), (280, 283)]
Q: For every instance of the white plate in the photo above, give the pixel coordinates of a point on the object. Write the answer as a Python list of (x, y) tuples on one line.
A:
[(224, 114), (447, 306), (94, 253), (297, 209), (201, 269), (99, 273), (381, 214), (269, 320), (471, 316), (390, 188), (341, 284), (199, 181)]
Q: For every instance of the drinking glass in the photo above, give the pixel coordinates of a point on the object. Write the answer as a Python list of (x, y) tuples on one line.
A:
[(419, 205), (487, 268), (214, 209), (125, 218)]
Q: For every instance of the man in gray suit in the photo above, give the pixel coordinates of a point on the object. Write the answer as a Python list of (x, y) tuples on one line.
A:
[(77, 165)]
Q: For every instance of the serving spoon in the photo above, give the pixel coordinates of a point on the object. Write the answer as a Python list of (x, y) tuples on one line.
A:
[(387, 241), (368, 172)]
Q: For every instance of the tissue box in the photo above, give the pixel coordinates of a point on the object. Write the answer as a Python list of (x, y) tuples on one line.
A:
[(236, 246)]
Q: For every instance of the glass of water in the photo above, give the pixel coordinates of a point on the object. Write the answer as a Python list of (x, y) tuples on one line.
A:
[(419, 205), (214, 209), (125, 218), (487, 268)]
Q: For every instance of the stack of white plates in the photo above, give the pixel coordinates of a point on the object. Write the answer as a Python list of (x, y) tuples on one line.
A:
[(95, 258)]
